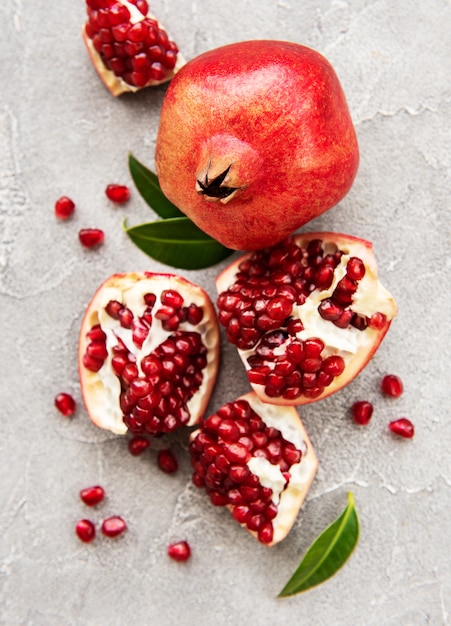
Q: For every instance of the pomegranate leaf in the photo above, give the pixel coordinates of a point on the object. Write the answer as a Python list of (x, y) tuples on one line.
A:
[(148, 186), (328, 553), (177, 242)]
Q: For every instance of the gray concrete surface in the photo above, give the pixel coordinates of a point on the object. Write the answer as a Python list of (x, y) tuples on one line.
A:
[(62, 133)]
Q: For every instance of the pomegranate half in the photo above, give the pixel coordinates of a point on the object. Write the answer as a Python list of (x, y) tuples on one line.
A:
[(148, 353), (306, 315), (128, 47), (255, 139), (257, 460)]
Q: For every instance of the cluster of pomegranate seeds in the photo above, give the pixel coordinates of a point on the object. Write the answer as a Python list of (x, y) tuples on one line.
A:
[(117, 193), (167, 461), (138, 444), (64, 207), (362, 412), (392, 386), (91, 237), (154, 391), (220, 453), (402, 427), (113, 526), (65, 404), (92, 495), (85, 530), (136, 50), (179, 551)]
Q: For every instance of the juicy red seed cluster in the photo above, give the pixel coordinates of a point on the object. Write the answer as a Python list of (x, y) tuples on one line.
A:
[(179, 551), (139, 52), (268, 284), (65, 404), (301, 369), (219, 454)]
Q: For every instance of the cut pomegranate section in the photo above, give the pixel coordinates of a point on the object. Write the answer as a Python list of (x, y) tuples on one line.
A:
[(306, 315), (128, 47), (257, 460), (147, 363)]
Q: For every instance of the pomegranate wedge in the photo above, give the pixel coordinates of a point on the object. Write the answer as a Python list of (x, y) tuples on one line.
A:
[(148, 353), (257, 460), (306, 315)]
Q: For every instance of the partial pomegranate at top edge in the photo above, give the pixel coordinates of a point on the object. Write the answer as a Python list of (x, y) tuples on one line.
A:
[(305, 315), (148, 353), (127, 45), (255, 139)]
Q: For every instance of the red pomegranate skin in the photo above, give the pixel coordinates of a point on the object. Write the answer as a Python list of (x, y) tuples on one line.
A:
[(274, 117)]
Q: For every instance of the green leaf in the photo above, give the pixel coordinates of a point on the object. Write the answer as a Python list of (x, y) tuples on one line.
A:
[(148, 186), (328, 553), (177, 242)]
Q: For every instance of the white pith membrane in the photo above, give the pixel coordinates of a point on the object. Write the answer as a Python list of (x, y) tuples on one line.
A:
[(114, 83), (101, 390), (288, 494), (355, 346)]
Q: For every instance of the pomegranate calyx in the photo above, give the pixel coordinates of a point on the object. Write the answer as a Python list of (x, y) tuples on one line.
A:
[(216, 189)]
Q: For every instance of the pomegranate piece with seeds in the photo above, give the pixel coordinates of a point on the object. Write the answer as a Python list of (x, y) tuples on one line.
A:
[(402, 427), (91, 237), (64, 207), (65, 404), (392, 386), (306, 315), (148, 353), (85, 530), (179, 551), (257, 460), (118, 193), (113, 526), (128, 46), (92, 495)]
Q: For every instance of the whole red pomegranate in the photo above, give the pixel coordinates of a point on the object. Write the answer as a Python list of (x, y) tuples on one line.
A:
[(257, 460), (255, 139), (148, 353), (306, 315)]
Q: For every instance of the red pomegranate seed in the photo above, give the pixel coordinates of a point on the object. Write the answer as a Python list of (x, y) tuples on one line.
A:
[(137, 445), (85, 530), (113, 526), (362, 412), (392, 386), (179, 551), (118, 193), (92, 495), (64, 207), (65, 404), (402, 427), (355, 268), (167, 461), (91, 237)]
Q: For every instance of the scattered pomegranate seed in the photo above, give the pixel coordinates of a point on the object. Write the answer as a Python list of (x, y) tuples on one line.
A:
[(137, 445), (113, 526), (85, 530), (392, 386), (64, 207), (65, 404), (90, 237), (167, 462), (362, 412), (92, 495), (402, 427), (179, 551), (118, 193)]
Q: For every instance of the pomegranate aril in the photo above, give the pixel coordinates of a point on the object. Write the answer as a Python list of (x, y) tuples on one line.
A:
[(118, 193), (85, 530), (167, 461), (65, 404), (402, 427), (330, 310), (64, 207), (362, 412), (137, 445), (92, 495), (113, 526), (355, 268), (179, 551), (266, 532), (91, 237), (91, 363), (391, 385)]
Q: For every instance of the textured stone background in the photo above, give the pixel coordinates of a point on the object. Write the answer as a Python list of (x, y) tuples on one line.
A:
[(62, 133)]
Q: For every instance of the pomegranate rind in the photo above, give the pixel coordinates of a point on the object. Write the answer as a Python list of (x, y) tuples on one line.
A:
[(101, 390), (287, 420), (370, 297), (117, 85)]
